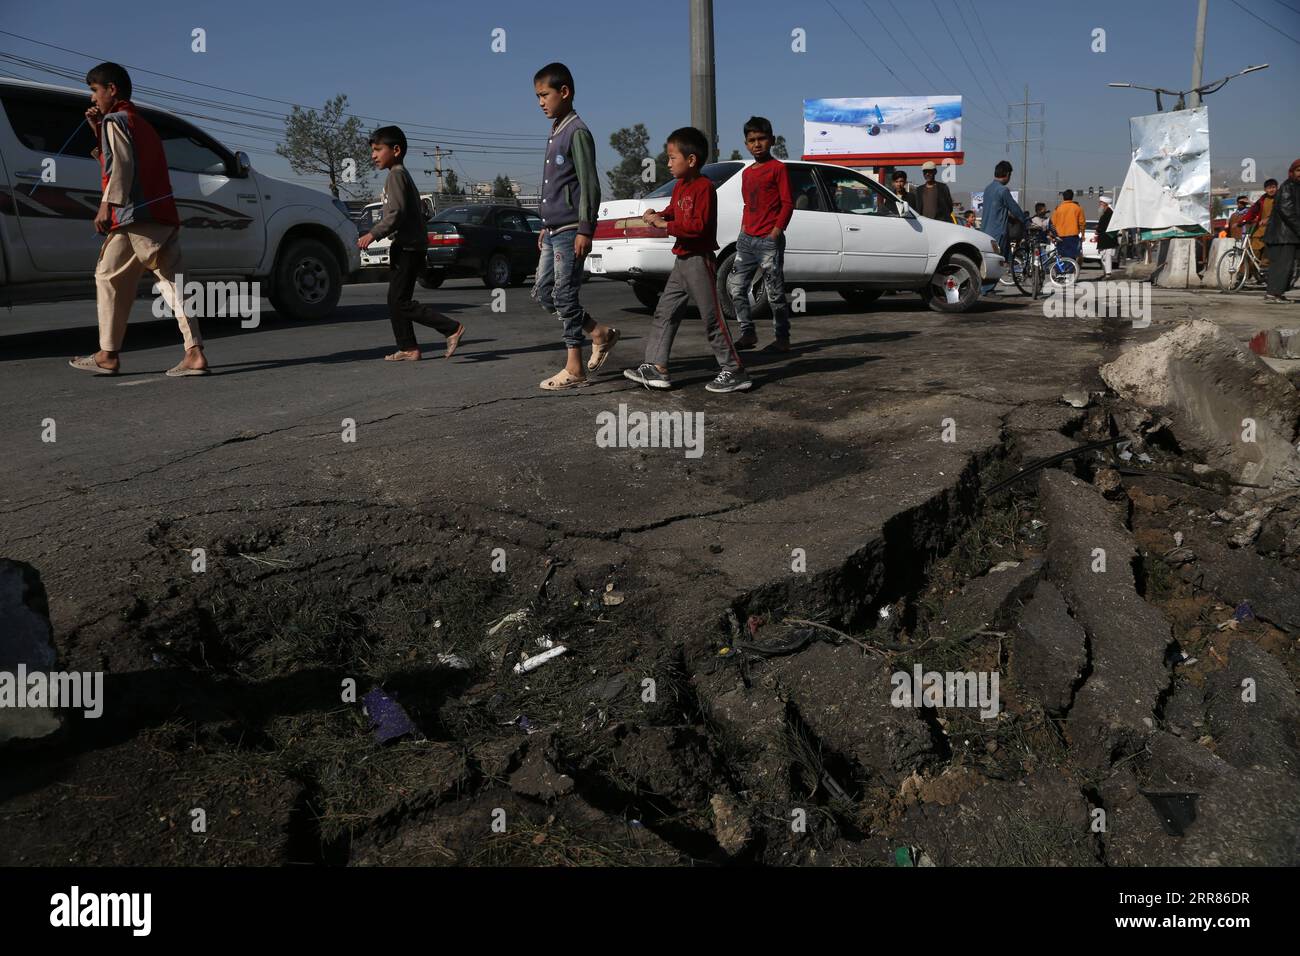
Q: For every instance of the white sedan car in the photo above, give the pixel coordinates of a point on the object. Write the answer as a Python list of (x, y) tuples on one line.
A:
[(846, 235)]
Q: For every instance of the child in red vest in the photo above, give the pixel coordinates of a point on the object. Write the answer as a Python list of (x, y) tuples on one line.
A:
[(691, 217), (138, 217)]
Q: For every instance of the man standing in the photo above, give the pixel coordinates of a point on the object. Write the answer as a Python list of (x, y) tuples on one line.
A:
[(1283, 236), (901, 191), (1257, 217), (1238, 217), (999, 207), (1106, 243), (1069, 223), (933, 199)]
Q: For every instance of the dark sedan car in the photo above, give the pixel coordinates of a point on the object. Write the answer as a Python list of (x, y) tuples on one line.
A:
[(495, 243)]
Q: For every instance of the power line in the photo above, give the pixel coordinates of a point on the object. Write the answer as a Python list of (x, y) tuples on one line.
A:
[(868, 46), (244, 126), (1288, 6), (1266, 23), (918, 69), (268, 99), (961, 52), (997, 83)]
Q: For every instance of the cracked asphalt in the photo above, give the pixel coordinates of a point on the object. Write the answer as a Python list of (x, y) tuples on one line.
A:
[(835, 438)]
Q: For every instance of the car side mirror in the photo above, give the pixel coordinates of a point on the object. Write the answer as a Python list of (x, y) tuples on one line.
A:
[(242, 164), (904, 210)]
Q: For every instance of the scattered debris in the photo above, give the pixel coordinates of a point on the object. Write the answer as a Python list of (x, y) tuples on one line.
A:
[(388, 719), (730, 824), (537, 660), (611, 597), (1076, 398), (514, 617), (454, 661)]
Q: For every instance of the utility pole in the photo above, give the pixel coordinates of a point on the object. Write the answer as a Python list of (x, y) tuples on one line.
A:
[(704, 103), (1198, 55), (1024, 123), (437, 154)]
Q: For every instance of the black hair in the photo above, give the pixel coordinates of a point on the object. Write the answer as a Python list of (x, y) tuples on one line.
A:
[(1068, 194), (389, 136), (555, 75), (688, 141), (1039, 205), (107, 73), (1270, 182), (1240, 198), (758, 124), (898, 174), (1002, 169)]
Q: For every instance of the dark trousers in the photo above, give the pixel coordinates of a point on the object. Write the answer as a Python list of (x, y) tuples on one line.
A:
[(1281, 260), (404, 267)]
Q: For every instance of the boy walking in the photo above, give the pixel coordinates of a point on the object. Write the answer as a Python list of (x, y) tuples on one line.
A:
[(138, 217), (765, 187), (692, 217), (570, 200), (403, 219)]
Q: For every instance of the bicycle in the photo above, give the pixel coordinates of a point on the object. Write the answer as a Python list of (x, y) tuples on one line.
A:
[(1031, 263), (1238, 262)]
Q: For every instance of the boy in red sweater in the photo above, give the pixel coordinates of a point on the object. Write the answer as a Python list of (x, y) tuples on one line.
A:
[(692, 217), (761, 243)]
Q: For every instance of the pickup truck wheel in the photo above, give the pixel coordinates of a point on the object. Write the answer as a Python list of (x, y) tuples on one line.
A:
[(759, 308), (860, 298), (497, 274), (307, 280), (963, 275), (646, 294), (431, 280)]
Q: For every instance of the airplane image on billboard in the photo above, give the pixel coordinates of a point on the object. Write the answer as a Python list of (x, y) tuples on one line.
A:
[(900, 130)]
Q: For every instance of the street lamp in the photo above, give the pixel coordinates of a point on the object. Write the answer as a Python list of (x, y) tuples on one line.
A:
[(1181, 94)]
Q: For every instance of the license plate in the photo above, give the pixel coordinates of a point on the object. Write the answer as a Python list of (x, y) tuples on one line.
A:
[(597, 264)]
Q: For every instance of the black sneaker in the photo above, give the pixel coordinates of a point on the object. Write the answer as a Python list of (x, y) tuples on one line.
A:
[(729, 381), (649, 376)]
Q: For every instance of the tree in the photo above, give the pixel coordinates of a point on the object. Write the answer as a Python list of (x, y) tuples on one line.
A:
[(328, 143), (735, 154), (779, 150), (451, 184), (501, 188), (626, 180)]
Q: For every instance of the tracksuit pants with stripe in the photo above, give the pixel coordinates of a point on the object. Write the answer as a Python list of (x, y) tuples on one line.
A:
[(693, 282)]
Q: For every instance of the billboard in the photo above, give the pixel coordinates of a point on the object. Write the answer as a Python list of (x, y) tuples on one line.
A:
[(1168, 181), (883, 131)]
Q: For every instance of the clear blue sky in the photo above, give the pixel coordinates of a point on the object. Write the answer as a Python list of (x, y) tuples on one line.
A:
[(431, 63)]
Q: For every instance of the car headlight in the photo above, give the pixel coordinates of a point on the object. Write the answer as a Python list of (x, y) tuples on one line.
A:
[(993, 246)]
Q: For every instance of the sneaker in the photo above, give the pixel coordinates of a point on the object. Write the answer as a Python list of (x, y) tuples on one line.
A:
[(747, 340), (646, 374), (729, 381), (777, 345)]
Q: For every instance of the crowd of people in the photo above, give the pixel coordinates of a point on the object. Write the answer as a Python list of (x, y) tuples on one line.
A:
[(139, 219)]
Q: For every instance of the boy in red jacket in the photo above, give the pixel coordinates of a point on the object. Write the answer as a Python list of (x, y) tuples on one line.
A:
[(691, 217), (765, 187)]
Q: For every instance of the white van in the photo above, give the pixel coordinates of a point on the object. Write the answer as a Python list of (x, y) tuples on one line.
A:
[(298, 243)]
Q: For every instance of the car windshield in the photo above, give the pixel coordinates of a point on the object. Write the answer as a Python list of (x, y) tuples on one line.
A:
[(718, 174)]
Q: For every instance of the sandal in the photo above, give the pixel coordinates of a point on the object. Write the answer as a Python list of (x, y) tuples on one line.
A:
[(87, 363), (180, 371), (403, 357), (601, 352), (453, 340), (562, 380)]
